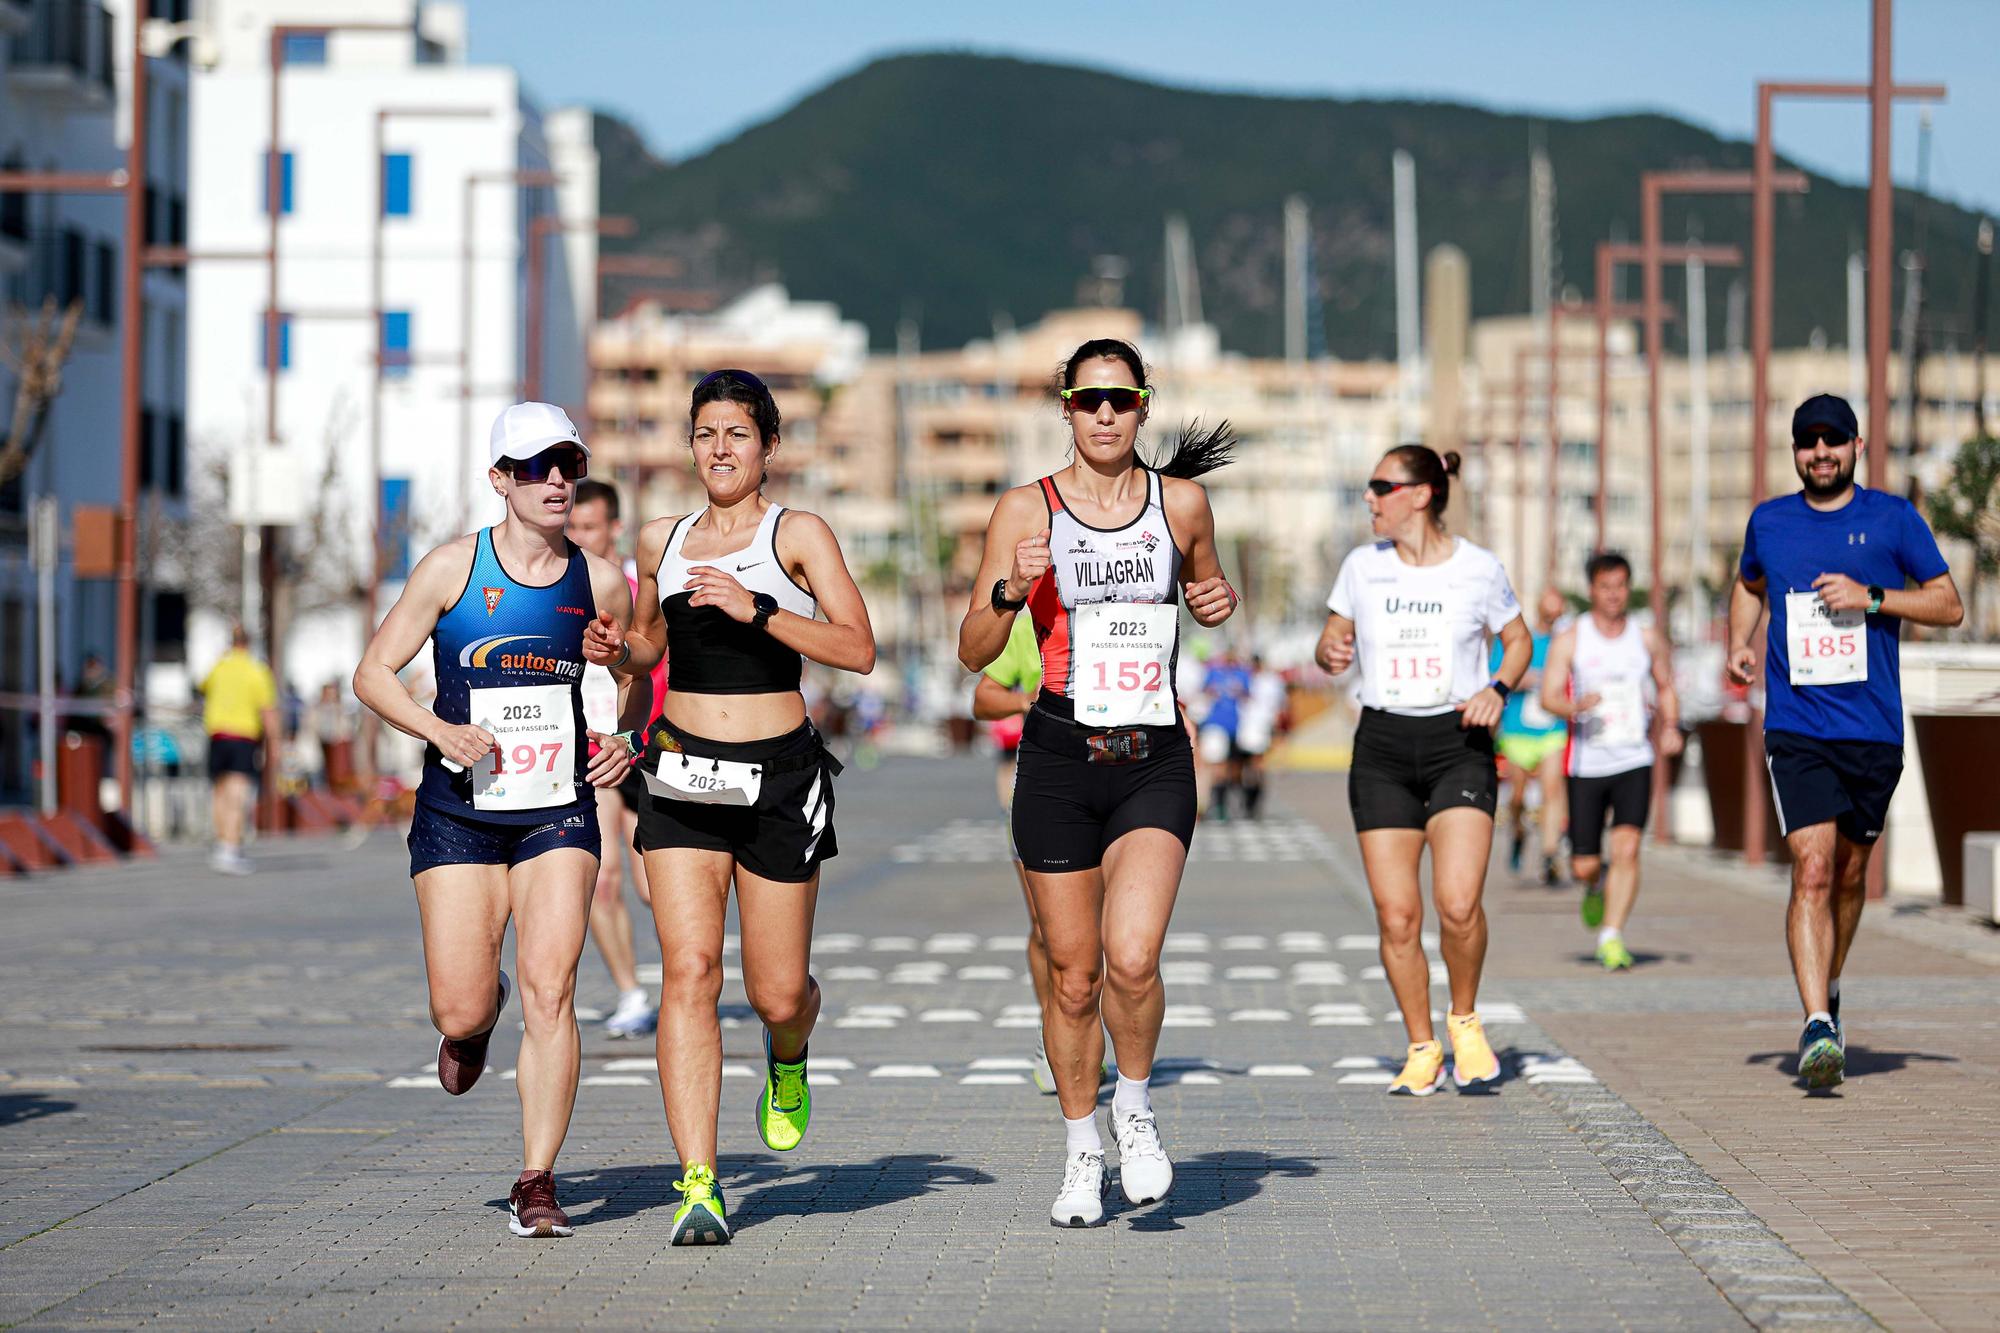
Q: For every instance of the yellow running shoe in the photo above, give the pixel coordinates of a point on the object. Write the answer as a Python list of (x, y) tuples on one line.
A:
[(1473, 1063), (701, 1218), (785, 1106), (1423, 1071), (1614, 955)]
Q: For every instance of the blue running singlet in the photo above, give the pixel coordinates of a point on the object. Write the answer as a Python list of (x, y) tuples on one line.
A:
[(517, 651)]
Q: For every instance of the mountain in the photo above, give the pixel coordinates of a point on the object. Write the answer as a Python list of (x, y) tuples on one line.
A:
[(955, 188)]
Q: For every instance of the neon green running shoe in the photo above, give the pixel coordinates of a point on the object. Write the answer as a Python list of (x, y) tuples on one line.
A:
[(1593, 903), (701, 1218), (785, 1106), (1614, 955)]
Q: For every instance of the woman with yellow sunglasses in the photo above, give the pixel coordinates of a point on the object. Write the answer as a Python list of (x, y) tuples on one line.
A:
[(1101, 554)]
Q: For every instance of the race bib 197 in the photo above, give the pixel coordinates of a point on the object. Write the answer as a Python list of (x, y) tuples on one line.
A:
[(1122, 657), (1825, 647), (533, 761)]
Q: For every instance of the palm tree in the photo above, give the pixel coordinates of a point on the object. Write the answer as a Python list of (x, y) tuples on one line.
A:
[(1967, 507)]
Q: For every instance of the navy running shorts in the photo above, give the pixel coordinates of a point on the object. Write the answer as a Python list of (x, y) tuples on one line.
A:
[(447, 838)]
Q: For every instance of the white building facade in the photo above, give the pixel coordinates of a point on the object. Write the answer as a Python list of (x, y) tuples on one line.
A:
[(409, 179), (65, 106)]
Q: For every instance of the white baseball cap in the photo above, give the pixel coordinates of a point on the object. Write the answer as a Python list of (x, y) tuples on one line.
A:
[(525, 429)]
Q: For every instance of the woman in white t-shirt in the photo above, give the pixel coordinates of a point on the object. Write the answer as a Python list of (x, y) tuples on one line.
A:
[(1413, 610)]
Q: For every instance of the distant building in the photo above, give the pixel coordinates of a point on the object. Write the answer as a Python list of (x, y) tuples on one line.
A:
[(65, 105), (455, 136)]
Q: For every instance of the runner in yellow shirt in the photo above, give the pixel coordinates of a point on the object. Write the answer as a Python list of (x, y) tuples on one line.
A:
[(239, 708)]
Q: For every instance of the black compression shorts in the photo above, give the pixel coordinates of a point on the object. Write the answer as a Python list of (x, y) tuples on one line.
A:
[(1067, 810), (1407, 769)]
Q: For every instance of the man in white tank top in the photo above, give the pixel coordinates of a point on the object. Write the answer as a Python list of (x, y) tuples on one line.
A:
[(1613, 678)]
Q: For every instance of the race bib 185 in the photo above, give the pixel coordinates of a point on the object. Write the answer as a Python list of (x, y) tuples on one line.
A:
[(1825, 647)]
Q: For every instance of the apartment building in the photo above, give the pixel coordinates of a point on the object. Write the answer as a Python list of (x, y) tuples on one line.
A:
[(409, 181), (65, 106)]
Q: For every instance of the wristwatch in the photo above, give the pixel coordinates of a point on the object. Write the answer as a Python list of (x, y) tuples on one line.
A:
[(766, 607), (1000, 599), (1500, 687), (1875, 596)]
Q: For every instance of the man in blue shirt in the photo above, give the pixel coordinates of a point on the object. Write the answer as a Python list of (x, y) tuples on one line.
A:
[(1832, 563)]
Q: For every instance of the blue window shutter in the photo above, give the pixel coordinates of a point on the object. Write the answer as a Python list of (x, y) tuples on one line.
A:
[(395, 536), (284, 343), (305, 48), (396, 185), (395, 343), (284, 181)]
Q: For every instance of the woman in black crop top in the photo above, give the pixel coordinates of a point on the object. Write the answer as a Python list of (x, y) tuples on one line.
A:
[(739, 785)]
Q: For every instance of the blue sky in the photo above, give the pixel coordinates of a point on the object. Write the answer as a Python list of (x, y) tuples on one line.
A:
[(691, 76)]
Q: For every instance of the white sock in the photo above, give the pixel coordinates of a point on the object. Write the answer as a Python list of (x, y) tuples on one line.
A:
[(1134, 1096), (1082, 1134), (1818, 1016), (1608, 934), (636, 995)]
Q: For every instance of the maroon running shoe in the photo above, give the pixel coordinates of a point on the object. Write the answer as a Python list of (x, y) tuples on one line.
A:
[(462, 1061), (532, 1209)]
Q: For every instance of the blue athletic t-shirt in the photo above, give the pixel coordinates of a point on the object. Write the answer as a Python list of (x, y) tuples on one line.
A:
[(1875, 538)]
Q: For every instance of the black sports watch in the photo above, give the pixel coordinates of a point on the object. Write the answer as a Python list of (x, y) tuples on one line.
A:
[(1000, 600), (766, 606), (1875, 596)]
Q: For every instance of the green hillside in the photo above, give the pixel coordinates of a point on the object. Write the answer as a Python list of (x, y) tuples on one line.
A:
[(954, 188)]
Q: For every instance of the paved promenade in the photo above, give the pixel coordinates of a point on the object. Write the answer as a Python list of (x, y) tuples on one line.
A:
[(216, 1110)]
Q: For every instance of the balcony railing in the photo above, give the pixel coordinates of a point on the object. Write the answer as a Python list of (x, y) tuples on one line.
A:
[(67, 47)]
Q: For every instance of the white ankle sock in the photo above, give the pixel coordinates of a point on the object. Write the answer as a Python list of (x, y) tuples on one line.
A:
[(1818, 1016), (1607, 934), (1082, 1135), (1133, 1096)]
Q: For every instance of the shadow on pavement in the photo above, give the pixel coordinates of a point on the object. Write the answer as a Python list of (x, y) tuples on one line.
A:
[(835, 1187), (1861, 1061), (30, 1106), (1640, 958), (1212, 1181)]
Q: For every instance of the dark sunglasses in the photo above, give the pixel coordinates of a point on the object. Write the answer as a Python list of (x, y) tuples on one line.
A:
[(575, 466), (1381, 489), (1122, 397), (1812, 438)]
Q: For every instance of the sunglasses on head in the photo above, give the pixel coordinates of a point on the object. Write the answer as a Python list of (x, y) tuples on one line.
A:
[(1381, 489), (1811, 439), (1122, 397), (575, 466)]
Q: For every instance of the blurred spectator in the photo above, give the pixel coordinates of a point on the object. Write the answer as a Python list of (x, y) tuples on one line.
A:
[(239, 709)]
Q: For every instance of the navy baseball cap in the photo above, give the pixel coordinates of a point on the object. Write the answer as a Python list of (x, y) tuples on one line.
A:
[(1824, 411)]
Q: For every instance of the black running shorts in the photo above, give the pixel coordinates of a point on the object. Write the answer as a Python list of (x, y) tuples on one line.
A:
[(784, 837), (1407, 769), (1067, 810), (235, 754), (1624, 796), (1848, 782)]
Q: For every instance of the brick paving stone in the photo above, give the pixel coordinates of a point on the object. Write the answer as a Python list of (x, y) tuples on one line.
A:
[(1300, 1202)]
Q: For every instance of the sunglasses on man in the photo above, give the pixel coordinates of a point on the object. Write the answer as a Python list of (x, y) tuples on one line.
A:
[(575, 466), (1812, 438), (1122, 397)]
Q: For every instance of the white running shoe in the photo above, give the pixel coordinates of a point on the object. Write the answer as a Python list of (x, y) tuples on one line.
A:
[(229, 861), (634, 1016), (1045, 1077), (1080, 1201), (1144, 1173)]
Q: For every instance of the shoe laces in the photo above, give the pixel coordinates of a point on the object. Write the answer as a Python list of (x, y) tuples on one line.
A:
[(1139, 1135), (788, 1086), (536, 1191), (698, 1184), (1081, 1164)]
